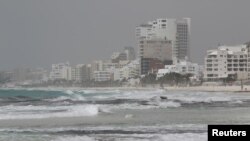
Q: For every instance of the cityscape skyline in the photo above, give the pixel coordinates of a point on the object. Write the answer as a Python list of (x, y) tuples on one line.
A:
[(39, 33)]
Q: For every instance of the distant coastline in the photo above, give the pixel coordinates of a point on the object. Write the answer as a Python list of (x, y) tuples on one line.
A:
[(234, 88)]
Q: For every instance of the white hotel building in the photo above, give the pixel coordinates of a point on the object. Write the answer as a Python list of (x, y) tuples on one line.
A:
[(183, 67), (102, 76), (61, 71), (227, 61)]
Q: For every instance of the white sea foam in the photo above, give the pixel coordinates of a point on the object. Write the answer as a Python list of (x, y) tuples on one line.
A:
[(194, 97), (74, 138), (39, 112), (141, 137), (69, 92), (169, 104), (174, 99), (182, 137), (237, 102), (61, 98), (72, 95), (155, 128), (187, 97)]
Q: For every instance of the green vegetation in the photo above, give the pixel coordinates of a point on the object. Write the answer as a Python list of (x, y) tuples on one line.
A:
[(169, 78)]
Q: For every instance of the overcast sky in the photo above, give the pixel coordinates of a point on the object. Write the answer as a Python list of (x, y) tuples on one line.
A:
[(37, 33)]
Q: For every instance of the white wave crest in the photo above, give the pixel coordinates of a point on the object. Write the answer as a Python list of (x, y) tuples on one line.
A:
[(75, 97), (40, 112), (74, 138), (169, 104), (69, 92)]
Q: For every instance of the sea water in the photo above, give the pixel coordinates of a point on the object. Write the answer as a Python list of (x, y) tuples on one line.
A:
[(116, 114)]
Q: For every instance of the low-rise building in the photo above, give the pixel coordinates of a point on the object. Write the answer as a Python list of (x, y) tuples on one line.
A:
[(118, 56), (102, 76), (226, 61), (128, 71), (182, 67)]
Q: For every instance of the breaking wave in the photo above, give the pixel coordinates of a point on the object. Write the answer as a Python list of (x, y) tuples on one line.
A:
[(39, 112), (26, 104)]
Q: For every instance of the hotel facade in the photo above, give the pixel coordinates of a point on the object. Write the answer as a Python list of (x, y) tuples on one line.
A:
[(227, 61)]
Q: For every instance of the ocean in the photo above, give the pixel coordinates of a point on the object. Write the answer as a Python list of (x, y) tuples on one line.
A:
[(61, 114)]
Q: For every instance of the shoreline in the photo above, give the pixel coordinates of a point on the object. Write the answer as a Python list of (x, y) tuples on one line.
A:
[(212, 88), (246, 88)]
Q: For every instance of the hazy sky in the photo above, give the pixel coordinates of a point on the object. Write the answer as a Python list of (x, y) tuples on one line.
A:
[(37, 33)]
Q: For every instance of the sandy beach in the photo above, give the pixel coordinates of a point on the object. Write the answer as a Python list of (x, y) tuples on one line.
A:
[(212, 88)]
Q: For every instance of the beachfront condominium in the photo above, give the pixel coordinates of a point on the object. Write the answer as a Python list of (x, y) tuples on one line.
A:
[(175, 30), (227, 62)]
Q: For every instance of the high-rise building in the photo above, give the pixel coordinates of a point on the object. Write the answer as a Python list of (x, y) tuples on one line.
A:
[(154, 54), (130, 53), (248, 59), (61, 71), (156, 48), (89, 67), (177, 31), (79, 73), (182, 44), (95, 66)]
